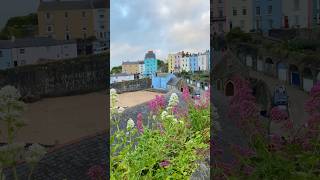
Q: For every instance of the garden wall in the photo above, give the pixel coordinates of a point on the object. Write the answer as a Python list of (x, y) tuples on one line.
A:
[(134, 85), (59, 78)]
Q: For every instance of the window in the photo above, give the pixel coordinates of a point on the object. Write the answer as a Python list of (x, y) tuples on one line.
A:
[(66, 14), (1, 54), (102, 26), (84, 28), (101, 16), (22, 51), (234, 12), (244, 11), (296, 4), (258, 10), (67, 36), (270, 23), (269, 9), (49, 28), (83, 14), (48, 15), (101, 35), (220, 12)]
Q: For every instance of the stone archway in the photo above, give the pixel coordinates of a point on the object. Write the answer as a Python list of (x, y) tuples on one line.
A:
[(307, 79), (229, 88), (269, 66)]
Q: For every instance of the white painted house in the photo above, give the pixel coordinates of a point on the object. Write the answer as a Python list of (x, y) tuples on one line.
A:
[(203, 61), (141, 68), (36, 50), (185, 63), (121, 77)]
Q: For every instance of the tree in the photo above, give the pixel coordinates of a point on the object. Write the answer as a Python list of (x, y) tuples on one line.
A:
[(20, 26), (116, 70)]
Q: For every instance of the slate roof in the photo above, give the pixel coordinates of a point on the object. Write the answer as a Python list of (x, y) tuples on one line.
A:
[(70, 5), (70, 161), (174, 81), (32, 42)]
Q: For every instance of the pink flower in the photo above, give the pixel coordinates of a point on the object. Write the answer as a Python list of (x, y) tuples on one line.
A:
[(186, 94), (140, 123), (277, 115), (157, 104), (164, 163)]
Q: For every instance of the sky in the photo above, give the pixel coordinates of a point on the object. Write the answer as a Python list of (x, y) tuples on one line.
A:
[(10, 8), (164, 26)]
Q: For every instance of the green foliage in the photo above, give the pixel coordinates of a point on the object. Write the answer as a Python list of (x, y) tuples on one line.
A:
[(20, 27), (237, 35), (116, 70), (140, 156)]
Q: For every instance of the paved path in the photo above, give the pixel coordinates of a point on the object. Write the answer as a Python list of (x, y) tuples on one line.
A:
[(230, 133), (297, 97)]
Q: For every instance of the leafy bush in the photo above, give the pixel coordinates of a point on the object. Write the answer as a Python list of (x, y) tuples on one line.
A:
[(166, 150)]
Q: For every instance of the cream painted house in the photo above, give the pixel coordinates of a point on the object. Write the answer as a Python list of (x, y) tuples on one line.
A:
[(296, 13), (171, 62), (239, 14)]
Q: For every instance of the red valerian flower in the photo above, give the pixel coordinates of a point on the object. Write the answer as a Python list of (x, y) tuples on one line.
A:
[(140, 123)]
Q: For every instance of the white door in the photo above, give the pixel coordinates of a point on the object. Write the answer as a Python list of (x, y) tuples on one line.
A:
[(282, 74), (260, 65), (249, 61), (307, 84)]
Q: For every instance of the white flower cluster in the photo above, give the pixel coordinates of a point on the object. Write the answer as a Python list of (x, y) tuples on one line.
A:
[(130, 124), (35, 153), (165, 115), (113, 101), (173, 101), (9, 92)]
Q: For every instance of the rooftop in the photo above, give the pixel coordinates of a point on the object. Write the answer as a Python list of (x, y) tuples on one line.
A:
[(71, 5), (150, 55), (32, 42)]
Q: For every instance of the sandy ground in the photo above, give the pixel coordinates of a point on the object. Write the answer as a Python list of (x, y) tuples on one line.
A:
[(67, 118), (134, 98)]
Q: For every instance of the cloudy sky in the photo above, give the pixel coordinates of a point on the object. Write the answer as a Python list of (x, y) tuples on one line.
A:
[(164, 26)]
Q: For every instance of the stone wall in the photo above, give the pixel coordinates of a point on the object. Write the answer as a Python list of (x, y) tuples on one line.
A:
[(134, 85), (59, 78)]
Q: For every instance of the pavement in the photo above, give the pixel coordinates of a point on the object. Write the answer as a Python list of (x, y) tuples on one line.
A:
[(297, 97)]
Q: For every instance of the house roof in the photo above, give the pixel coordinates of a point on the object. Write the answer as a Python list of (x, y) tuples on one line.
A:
[(71, 160), (150, 55), (174, 81), (71, 5), (32, 42)]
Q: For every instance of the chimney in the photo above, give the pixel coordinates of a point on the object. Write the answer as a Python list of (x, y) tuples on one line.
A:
[(13, 39)]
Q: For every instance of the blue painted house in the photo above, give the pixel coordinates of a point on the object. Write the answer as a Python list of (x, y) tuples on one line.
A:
[(160, 80), (150, 64), (267, 14), (193, 59), (5, 56)]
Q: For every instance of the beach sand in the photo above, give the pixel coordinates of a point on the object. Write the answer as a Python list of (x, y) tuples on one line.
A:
[(63, 119)]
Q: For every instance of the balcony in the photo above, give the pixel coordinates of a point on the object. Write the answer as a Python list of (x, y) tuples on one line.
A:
[(219, 18)]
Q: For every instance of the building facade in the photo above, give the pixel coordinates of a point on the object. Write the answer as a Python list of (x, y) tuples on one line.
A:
[(130, 67), (203, 61), (177, 58), (5, 57), (38, 50), (141, 67), (315, 14), (65, 20), (160, 80), (193, 59), (296, 13), (150, 64), (185, 63), (171, 63), (239, 14), (267, 14), (219, 16)]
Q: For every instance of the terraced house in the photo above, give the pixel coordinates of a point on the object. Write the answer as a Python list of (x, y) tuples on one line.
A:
[(239, 14), (219, 16), (80, 19), (130, 67)]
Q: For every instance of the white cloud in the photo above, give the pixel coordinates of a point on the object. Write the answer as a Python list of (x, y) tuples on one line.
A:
[(165, 26)]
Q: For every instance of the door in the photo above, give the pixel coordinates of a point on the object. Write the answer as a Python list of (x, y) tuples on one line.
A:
[(286, 22), (295, 79)]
